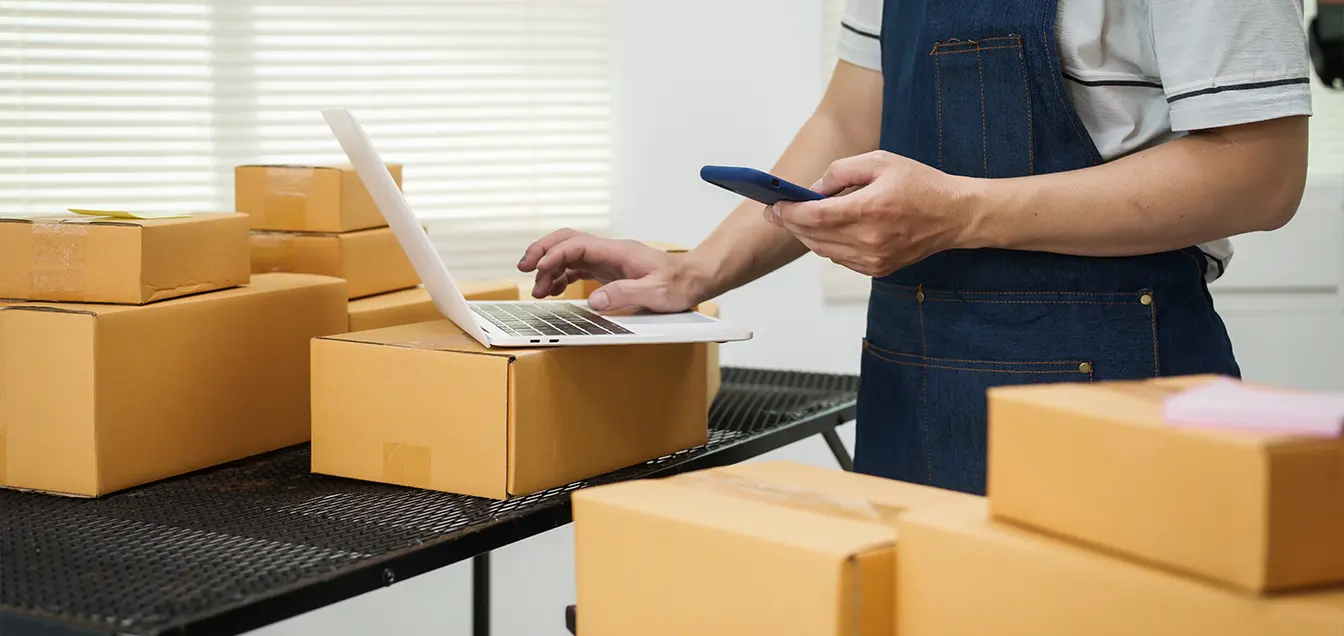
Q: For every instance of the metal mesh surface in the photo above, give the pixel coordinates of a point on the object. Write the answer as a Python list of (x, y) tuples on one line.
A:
[(150, 558)]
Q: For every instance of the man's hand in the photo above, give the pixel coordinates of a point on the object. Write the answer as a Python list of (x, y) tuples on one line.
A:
[(901, 212), (636, 276)]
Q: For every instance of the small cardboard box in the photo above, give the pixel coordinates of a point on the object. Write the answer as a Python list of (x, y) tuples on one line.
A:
[(98, 398), (962, 574), (414, 305), (425, 405), (1098, 464), (307, 198), (370, 261), (766, 548), (113, 260)]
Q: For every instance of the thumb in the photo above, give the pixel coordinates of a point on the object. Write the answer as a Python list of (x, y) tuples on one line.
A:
[(847, 173), (624, 294)]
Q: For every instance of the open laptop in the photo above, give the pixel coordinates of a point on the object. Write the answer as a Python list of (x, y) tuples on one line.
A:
[(509, 323)]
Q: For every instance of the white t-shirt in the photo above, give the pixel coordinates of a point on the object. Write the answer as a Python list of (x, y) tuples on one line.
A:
[(1142, 72)]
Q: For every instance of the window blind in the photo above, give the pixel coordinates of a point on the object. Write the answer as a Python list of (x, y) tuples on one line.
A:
[(497, 108)]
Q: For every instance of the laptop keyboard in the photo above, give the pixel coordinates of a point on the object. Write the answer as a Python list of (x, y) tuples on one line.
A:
[(546, 319)]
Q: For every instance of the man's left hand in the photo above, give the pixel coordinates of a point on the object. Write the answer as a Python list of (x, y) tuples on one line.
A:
[(901, 212)]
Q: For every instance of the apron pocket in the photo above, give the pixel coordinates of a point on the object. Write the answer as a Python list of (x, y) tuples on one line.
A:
[(975, 116)]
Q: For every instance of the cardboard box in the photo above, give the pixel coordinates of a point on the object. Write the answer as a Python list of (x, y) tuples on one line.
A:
[(425, 405), (962, 574), (715, 371), (766, 548), (131, 261), (414, 305), (307, 198), (1098, 464), (98, 398), (370, 261)]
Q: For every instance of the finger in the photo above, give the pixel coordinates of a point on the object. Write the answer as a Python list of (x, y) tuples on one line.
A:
[(536, 250), (846, 173), (565, 280), (629, 293), (583, 251)]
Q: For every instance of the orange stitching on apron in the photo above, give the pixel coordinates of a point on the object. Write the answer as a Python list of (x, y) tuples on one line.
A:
[(870, 345), (924, 395), (938, 92), (984, 128), (984, 48), (1026, 96), (1152, 312), (1004, 293), (974, 370), (954, 42), (1028, 302)]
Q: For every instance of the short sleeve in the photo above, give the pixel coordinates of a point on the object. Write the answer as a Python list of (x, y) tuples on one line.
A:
[(1226, 63), (860, 30)]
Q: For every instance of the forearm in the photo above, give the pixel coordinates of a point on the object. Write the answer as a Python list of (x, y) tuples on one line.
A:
[(1192, 190), (745, 247)]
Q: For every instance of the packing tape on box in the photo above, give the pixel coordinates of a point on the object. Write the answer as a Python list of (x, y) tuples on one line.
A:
[(287, 192), (406, 464), (271, 252), (58, 258), (796, 498)]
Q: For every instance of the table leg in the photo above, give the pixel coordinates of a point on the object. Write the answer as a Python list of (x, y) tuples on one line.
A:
[(838, 449), (480, 595)]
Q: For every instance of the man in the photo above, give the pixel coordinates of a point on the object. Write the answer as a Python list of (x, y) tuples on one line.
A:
[(1040, 189)]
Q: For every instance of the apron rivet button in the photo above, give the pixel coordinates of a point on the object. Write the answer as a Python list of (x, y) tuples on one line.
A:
[(919, 296), (1146, 299), (1085, 367)]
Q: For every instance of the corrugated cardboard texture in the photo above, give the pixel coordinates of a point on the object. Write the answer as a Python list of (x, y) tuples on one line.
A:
[(98, 398), (414, 305), (500, 422), (963, 575), (1097, 463), (770, 548), (123, 261), (307, 198), (370, 261)]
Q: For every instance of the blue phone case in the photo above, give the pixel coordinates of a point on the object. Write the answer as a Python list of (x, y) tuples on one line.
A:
[(756, 185)]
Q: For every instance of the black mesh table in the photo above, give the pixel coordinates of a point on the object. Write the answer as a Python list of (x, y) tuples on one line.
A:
[(240, 546)]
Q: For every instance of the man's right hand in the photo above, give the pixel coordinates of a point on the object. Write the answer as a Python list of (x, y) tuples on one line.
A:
[(635, 275)]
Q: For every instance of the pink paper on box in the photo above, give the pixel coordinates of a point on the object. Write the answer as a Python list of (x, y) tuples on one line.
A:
[(1229, 404)]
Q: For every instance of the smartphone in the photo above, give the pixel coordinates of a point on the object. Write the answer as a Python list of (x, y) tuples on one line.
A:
[(756, 185)]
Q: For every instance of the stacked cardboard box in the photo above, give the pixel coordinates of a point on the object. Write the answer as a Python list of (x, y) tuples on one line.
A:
[(512, 422), (322, 220), (1103, 519), (1107, 519), (767, 548), (134, 349)]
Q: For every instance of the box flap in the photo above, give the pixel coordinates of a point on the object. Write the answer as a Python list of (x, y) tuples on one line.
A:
[(1139, 404), (829, 528), (262, 283), (79, 219), (438, 335)]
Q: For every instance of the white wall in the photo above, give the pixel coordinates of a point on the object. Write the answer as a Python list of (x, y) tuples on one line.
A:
[(692, 90)]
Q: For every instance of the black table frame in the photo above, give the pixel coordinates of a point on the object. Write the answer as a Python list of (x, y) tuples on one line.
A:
[(475, 543)]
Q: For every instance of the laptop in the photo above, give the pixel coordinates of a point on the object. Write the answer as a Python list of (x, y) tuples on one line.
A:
[(509, 323)]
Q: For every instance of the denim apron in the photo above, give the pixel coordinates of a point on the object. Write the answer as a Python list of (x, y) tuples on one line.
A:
[(974, 87)]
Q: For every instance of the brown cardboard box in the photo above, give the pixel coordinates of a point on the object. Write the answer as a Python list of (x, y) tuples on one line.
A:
[(425, 405), (962, 574), (370, 261), (766, 548), (307, 198), (414, 305), (1098, 464), (98, 398), (711, 309), (131, 261)]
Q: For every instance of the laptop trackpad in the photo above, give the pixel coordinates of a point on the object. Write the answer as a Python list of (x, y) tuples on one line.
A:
[(686, 318)]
